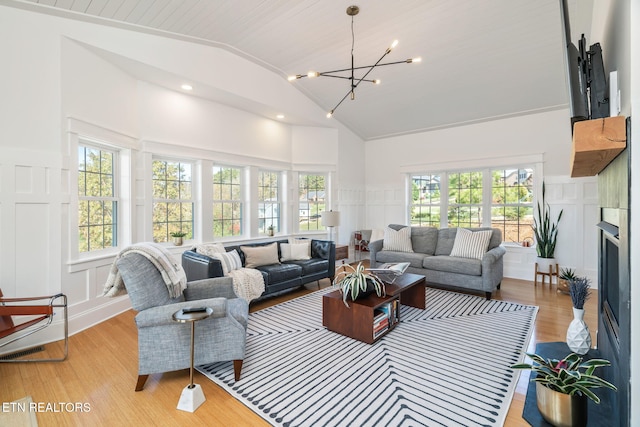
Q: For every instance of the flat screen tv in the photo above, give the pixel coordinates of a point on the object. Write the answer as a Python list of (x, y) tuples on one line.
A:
[(586, 79)]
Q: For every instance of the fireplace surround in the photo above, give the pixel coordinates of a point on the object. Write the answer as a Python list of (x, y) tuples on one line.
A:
[(613, 337)]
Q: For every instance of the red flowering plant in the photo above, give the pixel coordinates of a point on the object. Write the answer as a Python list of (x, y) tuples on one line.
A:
[(565, 376)]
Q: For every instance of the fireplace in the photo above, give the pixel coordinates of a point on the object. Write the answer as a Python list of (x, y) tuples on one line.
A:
[(614, 286)]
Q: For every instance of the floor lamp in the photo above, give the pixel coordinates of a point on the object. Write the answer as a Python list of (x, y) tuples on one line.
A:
[(331, 219)]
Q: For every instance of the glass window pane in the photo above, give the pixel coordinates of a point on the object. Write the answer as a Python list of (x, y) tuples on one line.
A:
[(172, 181)]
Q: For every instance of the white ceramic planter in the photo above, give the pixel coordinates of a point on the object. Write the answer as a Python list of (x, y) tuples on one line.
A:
[(578, 335), (545, 263)]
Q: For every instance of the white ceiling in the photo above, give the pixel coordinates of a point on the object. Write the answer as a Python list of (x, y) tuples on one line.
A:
[(481, 59)]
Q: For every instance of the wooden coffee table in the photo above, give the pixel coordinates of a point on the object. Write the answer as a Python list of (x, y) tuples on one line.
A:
[(361, 320)]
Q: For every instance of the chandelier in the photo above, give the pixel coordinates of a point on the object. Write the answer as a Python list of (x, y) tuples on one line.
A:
[(349, 73)]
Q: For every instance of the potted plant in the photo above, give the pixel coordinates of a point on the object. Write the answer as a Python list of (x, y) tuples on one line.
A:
[(545, 232), (562, 387), (356, 282), (566, 275), (177, 237), (270, 230), (578, 335)]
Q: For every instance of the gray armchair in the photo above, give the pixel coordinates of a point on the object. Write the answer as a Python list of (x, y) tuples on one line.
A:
[(164, 344)]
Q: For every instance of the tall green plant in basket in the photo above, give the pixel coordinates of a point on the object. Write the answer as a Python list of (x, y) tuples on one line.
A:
[(545, 230)]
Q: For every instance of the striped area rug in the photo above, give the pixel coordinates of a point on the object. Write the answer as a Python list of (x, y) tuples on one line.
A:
[(447, 365)]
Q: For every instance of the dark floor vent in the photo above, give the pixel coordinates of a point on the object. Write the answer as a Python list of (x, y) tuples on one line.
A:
[(22, 353)]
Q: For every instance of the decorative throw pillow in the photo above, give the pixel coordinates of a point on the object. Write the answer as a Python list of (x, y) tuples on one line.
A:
[(307, 242), (230, 261), (399, 240), (376, 234), (209, 249), (255, 256), (471, 244), (294, 251)]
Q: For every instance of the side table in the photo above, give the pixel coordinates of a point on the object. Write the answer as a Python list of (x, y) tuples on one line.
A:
[(342, 252), (192, 396)]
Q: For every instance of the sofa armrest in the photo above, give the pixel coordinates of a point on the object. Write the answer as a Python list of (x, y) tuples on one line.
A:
[(374, 248), (493, 255), (197, 266), (492, 268), (325, 249), (217, 287), (162, 315)]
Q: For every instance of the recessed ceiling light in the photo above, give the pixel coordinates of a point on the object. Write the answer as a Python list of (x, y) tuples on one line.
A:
[(187, 87), (280, 116)]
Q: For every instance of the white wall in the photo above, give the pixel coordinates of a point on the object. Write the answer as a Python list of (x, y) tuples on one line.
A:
[(544, 137), (66, 80)]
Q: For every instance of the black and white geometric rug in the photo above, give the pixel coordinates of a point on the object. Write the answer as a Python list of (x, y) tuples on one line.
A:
[(447, 365)]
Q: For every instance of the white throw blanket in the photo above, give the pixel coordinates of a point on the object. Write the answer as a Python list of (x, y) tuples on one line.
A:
[(172, 273), (248, 283)]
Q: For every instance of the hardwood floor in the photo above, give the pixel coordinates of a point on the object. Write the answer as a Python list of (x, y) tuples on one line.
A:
[(101, 371)]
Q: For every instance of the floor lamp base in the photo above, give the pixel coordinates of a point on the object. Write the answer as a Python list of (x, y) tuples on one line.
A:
[(191, 398)]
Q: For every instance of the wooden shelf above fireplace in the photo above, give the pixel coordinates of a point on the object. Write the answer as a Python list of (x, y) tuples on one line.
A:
[(596, 143)]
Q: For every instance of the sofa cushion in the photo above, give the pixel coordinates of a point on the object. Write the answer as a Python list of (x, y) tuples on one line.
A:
[(209, 249), (397, 240), (496, 237), (415, 259), (468, 266), (230, 261), (424, 239), (276, 273), (446, 237), (299, 241), (471, 244), (255, 256), (295, 251), (311, 266)]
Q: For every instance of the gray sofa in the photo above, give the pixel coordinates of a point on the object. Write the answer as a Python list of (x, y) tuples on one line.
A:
[(430, 258)]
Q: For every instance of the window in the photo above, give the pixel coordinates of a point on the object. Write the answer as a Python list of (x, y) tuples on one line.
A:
[(227, 201), (172, 199), (97, 199), (312, 201), (465, 199), (268, 202), (512, 203), (425, 200)]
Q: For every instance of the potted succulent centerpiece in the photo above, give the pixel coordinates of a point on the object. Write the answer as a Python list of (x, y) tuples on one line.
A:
[(566, 275), (355, 282), (177, 237), (563, 386), (545, 232)]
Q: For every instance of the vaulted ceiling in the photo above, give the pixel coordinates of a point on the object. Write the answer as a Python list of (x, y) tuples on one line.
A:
[(481, 59)]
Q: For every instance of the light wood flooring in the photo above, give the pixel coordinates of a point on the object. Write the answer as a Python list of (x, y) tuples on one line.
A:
[(102, 369)]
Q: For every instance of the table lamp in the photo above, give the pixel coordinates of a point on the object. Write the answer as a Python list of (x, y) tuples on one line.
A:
[(331, 219)]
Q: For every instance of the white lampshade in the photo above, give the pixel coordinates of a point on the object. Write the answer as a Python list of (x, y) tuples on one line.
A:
[(331, 218)]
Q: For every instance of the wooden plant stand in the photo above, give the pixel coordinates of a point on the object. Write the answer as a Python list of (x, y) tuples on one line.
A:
[(551, 274)]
